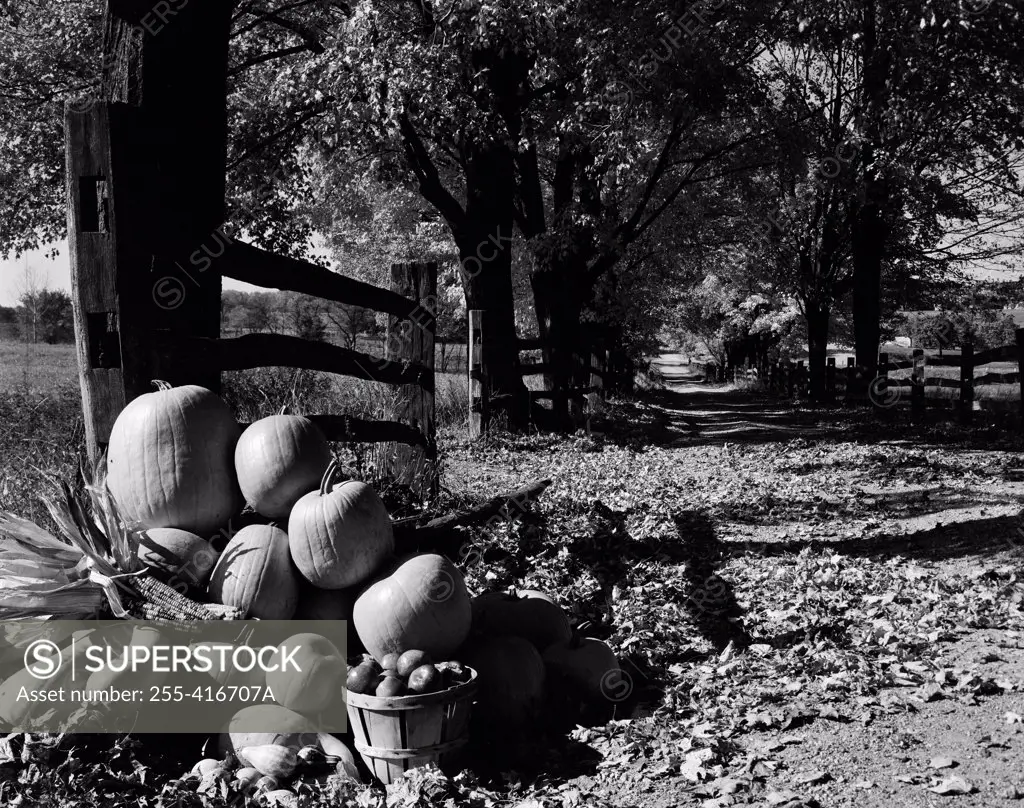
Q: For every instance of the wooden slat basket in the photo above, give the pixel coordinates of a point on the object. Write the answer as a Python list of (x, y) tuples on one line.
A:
[(396, 734)]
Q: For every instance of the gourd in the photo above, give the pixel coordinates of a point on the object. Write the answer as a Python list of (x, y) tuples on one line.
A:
[(170, 460), (527, 614), (511, 676), (317, 683), (588, 665), (339, 534), (265, 724), (176, 553), (277, 460), (255, 574), (422, 603)]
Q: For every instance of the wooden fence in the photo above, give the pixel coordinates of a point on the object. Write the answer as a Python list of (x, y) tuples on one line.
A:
[(791, 379), (610, 371), (141, 316)]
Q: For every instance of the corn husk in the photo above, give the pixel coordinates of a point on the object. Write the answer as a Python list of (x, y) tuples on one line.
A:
[(76, 575)]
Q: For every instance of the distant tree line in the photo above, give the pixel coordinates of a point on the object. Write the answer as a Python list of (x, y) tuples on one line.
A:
[(43, 315)]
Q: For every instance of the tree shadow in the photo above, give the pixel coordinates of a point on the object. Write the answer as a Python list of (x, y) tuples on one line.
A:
[(711, 603), (977, 537)]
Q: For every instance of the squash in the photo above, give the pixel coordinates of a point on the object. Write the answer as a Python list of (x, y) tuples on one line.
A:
[(264, 724), (255, 574), (277, 460), (339, 534), (527, 614), (588, 666), (511, 679), (317, 684), (170, 460), (177, 554), (422, 604)]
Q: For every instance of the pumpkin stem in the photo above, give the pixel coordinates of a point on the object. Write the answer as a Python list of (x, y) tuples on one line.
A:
[(325, 483), (161, 385)]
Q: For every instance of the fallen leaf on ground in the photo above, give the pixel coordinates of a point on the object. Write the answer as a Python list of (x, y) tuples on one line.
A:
[(812, 777), (952, 785)]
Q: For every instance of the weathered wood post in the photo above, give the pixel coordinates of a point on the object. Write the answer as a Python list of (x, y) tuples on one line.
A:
[(878, 387), (1020, 369), (967, 382), (413, 341), (146, 202), (830, 379), (917, 386), (478, 404), (851, 379)]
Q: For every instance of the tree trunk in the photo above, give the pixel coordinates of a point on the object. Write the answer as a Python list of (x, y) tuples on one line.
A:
[(869, 230), (817, 316), (558, 321), (484, 240)]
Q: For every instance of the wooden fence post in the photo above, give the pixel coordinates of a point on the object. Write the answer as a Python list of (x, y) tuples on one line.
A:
[(830, 378), (851, 378), (966, 383), (879, 386), (416, 465), (597, 373), (478, 403), (1020, 368), (917, 385)]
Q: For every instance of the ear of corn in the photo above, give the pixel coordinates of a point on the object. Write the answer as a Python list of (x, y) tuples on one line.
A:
[(77, 574)]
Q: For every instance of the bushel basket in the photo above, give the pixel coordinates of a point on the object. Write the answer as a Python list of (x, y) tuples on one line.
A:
[(398, 733)]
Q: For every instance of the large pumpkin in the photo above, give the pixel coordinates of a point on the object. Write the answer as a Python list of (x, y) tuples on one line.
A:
[(511, 676), (589, 666), (317, 684), (177, 554), (340, 533), (277, 460), (527, 614), (255, 574), (170, 460), (422, 603)]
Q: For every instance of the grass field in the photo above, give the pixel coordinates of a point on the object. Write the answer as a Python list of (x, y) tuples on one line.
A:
[(38, 369)]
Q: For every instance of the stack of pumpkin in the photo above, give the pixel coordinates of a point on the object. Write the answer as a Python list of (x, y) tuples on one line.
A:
[(179, 466)]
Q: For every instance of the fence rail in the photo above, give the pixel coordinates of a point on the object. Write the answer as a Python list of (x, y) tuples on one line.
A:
[(139, 315), (791, 379), (606, 371)]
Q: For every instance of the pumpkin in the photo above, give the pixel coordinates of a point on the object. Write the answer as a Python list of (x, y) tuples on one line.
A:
[(421, 604), (317, 683), (588, 666), (511, 676), (170, 460), (527, 614), (264, 724), (277, 460), (255, 574), (339, 534), (177, 554)]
